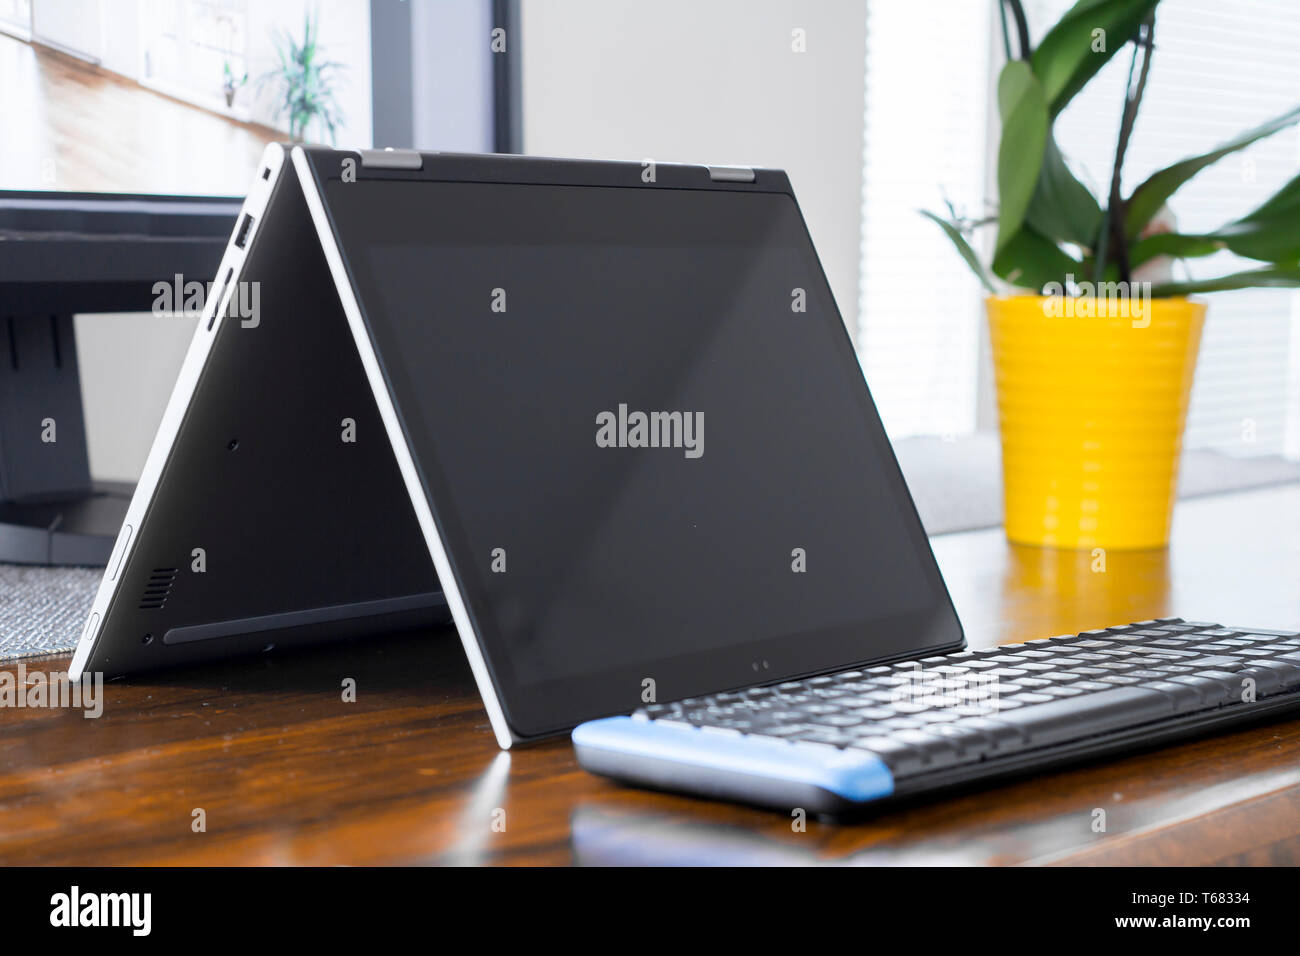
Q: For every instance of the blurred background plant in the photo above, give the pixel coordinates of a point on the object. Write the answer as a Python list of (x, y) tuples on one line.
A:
[(305, 82)]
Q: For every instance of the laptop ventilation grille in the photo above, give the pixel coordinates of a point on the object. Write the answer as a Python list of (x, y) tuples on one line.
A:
[(158, 589)]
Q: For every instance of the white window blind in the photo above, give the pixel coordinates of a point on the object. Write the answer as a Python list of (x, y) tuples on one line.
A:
[(926, 138)]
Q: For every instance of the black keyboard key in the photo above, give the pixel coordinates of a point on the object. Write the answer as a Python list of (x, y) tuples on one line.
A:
[(1213, 692), (1186, 699), (783, 730), (936, 751), (892, 724), (876, 713), (901, 759), (1031, 698), (1087, 716), (1288, 671), (1271, 677), (972, 744), (826, 735), (839, 720), (1213, 662), (1001, 737)]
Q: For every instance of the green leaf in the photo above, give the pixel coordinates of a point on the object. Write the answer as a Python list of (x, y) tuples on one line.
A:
[(1286, 201), (1159, 186), (1020, 153), (1031, 260), (1270, 233), (964, 249), (1062, 207), (1276, 277), (1073, 50), (1174, 244)]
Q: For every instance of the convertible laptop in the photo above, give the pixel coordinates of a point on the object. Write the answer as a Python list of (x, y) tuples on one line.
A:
[(644, 465)]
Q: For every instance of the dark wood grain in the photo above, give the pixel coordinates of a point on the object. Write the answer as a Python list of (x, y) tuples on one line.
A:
[(288, 773)]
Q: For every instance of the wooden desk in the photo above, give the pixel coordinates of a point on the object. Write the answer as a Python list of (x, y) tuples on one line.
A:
[(287, 773)]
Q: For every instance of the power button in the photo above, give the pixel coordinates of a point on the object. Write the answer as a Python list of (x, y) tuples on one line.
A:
[(119, 556)]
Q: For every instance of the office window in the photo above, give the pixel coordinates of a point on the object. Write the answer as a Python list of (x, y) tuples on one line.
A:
[(925, 142)]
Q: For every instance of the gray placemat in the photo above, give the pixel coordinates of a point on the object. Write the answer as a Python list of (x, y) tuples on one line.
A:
[(42, 610), (957, 485)]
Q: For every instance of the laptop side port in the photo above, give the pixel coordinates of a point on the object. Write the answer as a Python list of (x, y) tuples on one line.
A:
[(245, 227)]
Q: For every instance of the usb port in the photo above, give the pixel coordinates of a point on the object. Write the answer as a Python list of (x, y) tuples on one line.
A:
[(245, 226)]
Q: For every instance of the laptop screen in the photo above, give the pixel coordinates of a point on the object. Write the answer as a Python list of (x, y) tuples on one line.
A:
[(645, 438)]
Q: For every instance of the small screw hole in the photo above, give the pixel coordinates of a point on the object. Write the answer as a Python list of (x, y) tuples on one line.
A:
[(234, 443), (147, 639)]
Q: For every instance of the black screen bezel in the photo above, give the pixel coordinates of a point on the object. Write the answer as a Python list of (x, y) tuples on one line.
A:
[(539, 709)]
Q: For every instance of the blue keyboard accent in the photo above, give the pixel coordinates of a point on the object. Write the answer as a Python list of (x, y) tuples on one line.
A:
[(855, 775)]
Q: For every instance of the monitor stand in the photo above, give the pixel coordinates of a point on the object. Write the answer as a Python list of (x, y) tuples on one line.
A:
[(50, 510), (77, 530), (65, 254)]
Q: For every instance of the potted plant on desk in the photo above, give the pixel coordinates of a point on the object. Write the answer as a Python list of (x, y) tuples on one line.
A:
[(1094, 345)]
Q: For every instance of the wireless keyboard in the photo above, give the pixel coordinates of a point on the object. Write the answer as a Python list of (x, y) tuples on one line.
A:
[(842, 740)]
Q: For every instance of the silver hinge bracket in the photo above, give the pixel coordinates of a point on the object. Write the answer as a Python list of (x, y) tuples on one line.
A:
[(391, 158), (731, 174)]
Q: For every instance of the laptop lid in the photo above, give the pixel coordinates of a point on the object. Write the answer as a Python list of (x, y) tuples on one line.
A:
[(634, 428)]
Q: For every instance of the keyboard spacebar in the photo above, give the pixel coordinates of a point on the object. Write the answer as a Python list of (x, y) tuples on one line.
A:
[(1087, 716)]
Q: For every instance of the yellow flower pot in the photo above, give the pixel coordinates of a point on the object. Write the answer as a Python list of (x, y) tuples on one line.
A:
[(1092, 398)]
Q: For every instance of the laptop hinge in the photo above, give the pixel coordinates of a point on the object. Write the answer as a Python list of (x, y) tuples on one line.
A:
[(390, 158), (731, 174)]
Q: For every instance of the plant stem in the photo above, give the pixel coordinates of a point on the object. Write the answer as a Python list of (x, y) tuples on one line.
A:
[(1006, 37), (1113, 225), (1022, 28)]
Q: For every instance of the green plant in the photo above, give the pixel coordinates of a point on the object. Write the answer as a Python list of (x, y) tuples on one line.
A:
[(1050, 226), (305, 83)]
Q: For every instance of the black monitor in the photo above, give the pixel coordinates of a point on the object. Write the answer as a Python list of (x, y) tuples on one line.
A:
[(65, 253)]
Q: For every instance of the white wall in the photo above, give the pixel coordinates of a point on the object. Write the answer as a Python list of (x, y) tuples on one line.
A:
[(128, 365), (715, 82)]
